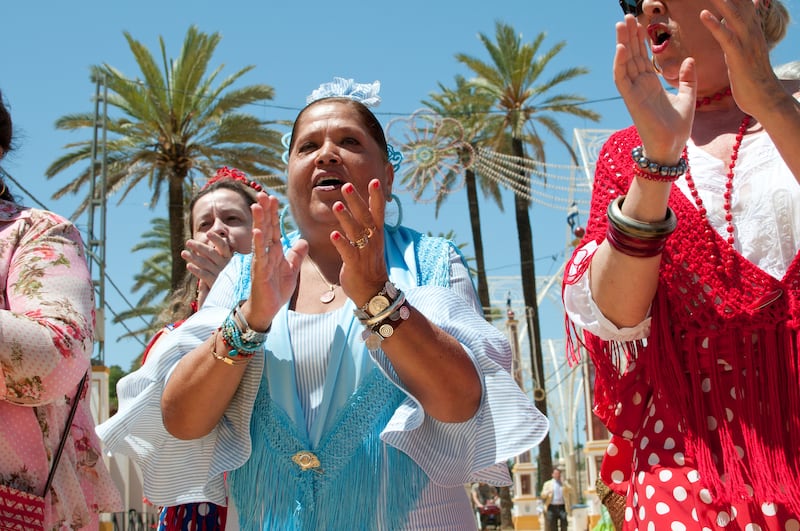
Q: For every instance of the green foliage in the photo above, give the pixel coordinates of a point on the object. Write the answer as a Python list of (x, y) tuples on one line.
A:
[(177, 120)]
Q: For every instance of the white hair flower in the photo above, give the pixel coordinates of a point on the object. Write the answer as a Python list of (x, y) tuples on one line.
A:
[(365, 93)]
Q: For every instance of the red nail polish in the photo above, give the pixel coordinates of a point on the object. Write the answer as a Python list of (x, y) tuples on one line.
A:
[(376, 184), (338, 207), (348, 188), (336, 236)]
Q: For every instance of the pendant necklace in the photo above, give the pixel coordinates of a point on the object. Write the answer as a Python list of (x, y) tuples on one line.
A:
[(329, 295)]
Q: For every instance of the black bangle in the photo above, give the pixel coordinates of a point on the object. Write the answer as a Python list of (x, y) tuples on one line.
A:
[(640, 229)]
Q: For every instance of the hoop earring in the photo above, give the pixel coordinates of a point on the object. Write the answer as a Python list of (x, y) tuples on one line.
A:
[(393, 228), (655, 65)]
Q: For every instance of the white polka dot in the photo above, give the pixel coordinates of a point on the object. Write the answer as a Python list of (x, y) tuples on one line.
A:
[(651, 526), (665, 475), (628, 514), (677, 526), (792, 525), (723, 519), (768, 509), (752, 527), (642, 513), (641, 477), (705, 385), (704, 344), (649, 491), (628, 434), (693, 476), (750, 491), (612, 450), (652, 409), (643, 443), (679, 493), (658, 427), (728, 414), (694, 515), (662, 508), (637, 398), (203, 509), (734, 513), (712, 423), (705, 496), (733, 393), (739, 451), (635, 499), (618, 409), (653, 459), (679, 459), (617, 476), (669, 443)]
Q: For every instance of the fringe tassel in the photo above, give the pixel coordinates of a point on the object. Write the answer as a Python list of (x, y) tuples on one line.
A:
[(271, 492)]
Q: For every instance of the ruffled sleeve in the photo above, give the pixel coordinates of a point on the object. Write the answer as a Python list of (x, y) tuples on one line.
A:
[(506, 423), (177, 471)]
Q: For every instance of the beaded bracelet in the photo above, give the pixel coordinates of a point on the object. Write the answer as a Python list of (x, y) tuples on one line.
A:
[(647, 169), (228, 360)]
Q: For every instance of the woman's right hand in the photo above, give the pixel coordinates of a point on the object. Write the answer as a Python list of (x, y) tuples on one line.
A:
[(663, 120), (273, 275)]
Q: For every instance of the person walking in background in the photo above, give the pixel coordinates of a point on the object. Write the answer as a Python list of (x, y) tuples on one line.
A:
[(686, 283), (347, 356), (558, 498), (220, 223), (47, 324)]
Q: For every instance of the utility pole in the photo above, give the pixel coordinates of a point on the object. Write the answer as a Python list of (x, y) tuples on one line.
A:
[(96, 240)]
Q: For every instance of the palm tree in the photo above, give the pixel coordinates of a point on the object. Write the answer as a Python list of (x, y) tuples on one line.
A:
[(512, 78), (175, 122), (471, 108)]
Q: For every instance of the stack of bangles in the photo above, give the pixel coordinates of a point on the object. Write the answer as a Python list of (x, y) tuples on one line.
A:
[(637, 238), (241, 342), (382, 314)]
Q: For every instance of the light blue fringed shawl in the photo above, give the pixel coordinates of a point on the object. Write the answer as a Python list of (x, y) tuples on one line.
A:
[(360, 483)]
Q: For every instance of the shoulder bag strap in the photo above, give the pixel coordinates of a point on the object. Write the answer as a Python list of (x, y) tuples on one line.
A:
[(64, 435)]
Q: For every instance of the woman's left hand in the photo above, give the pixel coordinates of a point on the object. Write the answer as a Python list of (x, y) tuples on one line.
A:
[(738, 31), (361, 242)]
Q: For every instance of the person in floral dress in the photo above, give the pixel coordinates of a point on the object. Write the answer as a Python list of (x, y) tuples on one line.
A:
[(46, 338), (686, 286)]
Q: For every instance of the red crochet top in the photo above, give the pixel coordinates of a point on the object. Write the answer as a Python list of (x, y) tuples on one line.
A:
[(703, 314)]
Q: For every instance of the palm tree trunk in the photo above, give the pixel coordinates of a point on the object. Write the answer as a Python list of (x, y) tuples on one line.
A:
[(477, 242), (177, 231), (528, 271)]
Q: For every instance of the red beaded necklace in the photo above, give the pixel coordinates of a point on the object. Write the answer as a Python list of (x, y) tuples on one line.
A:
[(728, 184), (714, 97)]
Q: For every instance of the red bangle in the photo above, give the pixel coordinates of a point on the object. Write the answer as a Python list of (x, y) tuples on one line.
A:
[(632, 245)]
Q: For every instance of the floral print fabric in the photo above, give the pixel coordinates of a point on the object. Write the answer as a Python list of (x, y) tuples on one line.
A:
[(46, 337)]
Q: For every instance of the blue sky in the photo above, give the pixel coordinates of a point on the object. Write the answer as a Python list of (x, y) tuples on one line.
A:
[(409, 46)]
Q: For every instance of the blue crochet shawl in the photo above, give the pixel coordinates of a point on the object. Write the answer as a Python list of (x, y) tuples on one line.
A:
[(357, 482)]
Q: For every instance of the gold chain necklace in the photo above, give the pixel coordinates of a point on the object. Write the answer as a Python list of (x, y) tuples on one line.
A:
[(329, 295)]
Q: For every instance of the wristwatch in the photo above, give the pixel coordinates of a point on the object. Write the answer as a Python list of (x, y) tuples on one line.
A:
[(382, 300)]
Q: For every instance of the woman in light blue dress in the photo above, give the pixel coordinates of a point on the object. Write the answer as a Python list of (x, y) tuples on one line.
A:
[(342, 375)]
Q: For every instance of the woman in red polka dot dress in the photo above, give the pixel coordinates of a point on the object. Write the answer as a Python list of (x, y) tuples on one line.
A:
[(686, 288)]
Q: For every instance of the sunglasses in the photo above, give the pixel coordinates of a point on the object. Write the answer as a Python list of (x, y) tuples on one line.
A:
[(631, 7)]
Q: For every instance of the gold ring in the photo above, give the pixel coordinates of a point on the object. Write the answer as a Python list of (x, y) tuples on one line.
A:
[(360, 243), (368, 232)]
